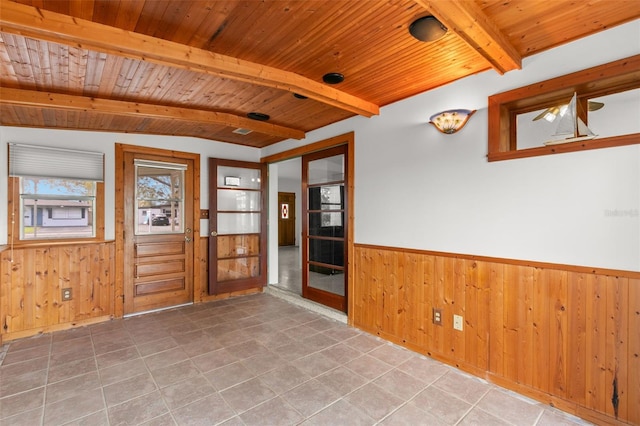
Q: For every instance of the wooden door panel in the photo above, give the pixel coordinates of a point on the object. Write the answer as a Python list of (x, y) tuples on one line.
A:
[(144, 249), (287, 219), (160, 286), (238, 245), (159, 267)]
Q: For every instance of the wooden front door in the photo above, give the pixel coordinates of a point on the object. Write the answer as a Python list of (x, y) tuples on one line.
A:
[(158, 242), (237, 225), (287, 219)]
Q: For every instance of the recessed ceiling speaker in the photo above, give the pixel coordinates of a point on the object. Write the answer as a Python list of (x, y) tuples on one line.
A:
[(258, 116), (427, 28), (333, 78)]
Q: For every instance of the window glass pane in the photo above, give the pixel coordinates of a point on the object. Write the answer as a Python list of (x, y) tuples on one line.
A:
[(326, 224), (159, 200), (238, 223), (55, 208), (329, 169), (326, 251), (326, 197), (238, 200), (238, 177)]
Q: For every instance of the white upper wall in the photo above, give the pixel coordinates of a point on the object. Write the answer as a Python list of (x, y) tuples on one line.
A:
[(417, 188), (105, 142)]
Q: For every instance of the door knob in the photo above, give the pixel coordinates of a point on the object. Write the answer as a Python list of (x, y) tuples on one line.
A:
[(214, 234), (187, 239)]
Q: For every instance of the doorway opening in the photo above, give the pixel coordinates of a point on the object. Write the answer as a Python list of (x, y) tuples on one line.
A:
[(324, 221)]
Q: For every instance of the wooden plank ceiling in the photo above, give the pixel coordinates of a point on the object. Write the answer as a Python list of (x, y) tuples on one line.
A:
[(197, 68)]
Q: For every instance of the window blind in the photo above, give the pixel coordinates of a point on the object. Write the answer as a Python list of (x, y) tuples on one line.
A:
[(33, 160)]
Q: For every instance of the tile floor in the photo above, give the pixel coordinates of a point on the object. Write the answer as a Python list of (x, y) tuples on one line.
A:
[(253, 360)]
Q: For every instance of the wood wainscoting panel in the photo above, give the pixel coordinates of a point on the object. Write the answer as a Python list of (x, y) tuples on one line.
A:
[(32, 280), (562, 334)]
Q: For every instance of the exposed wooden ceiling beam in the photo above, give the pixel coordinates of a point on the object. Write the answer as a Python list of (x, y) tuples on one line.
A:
[(32, 98), (42, 24), (466, 19)]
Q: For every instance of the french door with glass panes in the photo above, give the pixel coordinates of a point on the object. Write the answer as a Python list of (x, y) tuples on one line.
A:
[(237, 225), (324, 251)]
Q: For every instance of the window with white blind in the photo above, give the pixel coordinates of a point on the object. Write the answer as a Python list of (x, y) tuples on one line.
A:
[(55, 194)]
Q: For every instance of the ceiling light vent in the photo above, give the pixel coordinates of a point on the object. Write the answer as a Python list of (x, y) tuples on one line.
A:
[(242, 131)]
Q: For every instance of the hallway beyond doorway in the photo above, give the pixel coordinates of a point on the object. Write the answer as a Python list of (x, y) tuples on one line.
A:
[(290, 274)]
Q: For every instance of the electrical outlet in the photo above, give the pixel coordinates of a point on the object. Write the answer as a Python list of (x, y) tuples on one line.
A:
[(66, 294), (457, 322), (437, 316)]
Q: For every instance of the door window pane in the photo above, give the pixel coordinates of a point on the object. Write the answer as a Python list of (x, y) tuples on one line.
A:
[(159, 199), (238, 200), (238, 223), (238, 177), (329, 169)]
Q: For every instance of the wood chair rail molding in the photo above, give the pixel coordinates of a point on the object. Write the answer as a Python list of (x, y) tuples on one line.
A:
[(610, 78), (515, 262)]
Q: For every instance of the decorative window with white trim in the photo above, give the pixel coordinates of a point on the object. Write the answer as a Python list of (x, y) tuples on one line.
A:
[(55, 194)]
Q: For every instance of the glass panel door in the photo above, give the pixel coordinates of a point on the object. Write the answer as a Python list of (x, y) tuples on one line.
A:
[(237, 222), (324, 227)]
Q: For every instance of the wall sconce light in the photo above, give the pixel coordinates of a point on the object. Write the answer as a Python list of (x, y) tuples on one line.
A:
[(452, 120)]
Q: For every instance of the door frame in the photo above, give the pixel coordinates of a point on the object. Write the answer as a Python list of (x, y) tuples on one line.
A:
[(121, 204), (344, 139)]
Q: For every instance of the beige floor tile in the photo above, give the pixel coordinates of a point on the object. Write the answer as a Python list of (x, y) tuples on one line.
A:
[(131, 388), (310, 397), (209, 410), (275, 411), (374, 401), (340, 413), (138, 410), (183, 393), (465, 387), (508, 407), (284, 378), (175, 373), (247, 395), (478, 417), (242, 361), (229, 375), (441, 405), (24, 401), (400, 384), (72, 388), (315, 364), (368, 367), (74, 407)]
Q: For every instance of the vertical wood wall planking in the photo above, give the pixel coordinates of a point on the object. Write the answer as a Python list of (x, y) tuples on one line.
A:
[(496, 325), (31, 286), (633, 384), (541, 326), (562, 335), (577, 335)]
